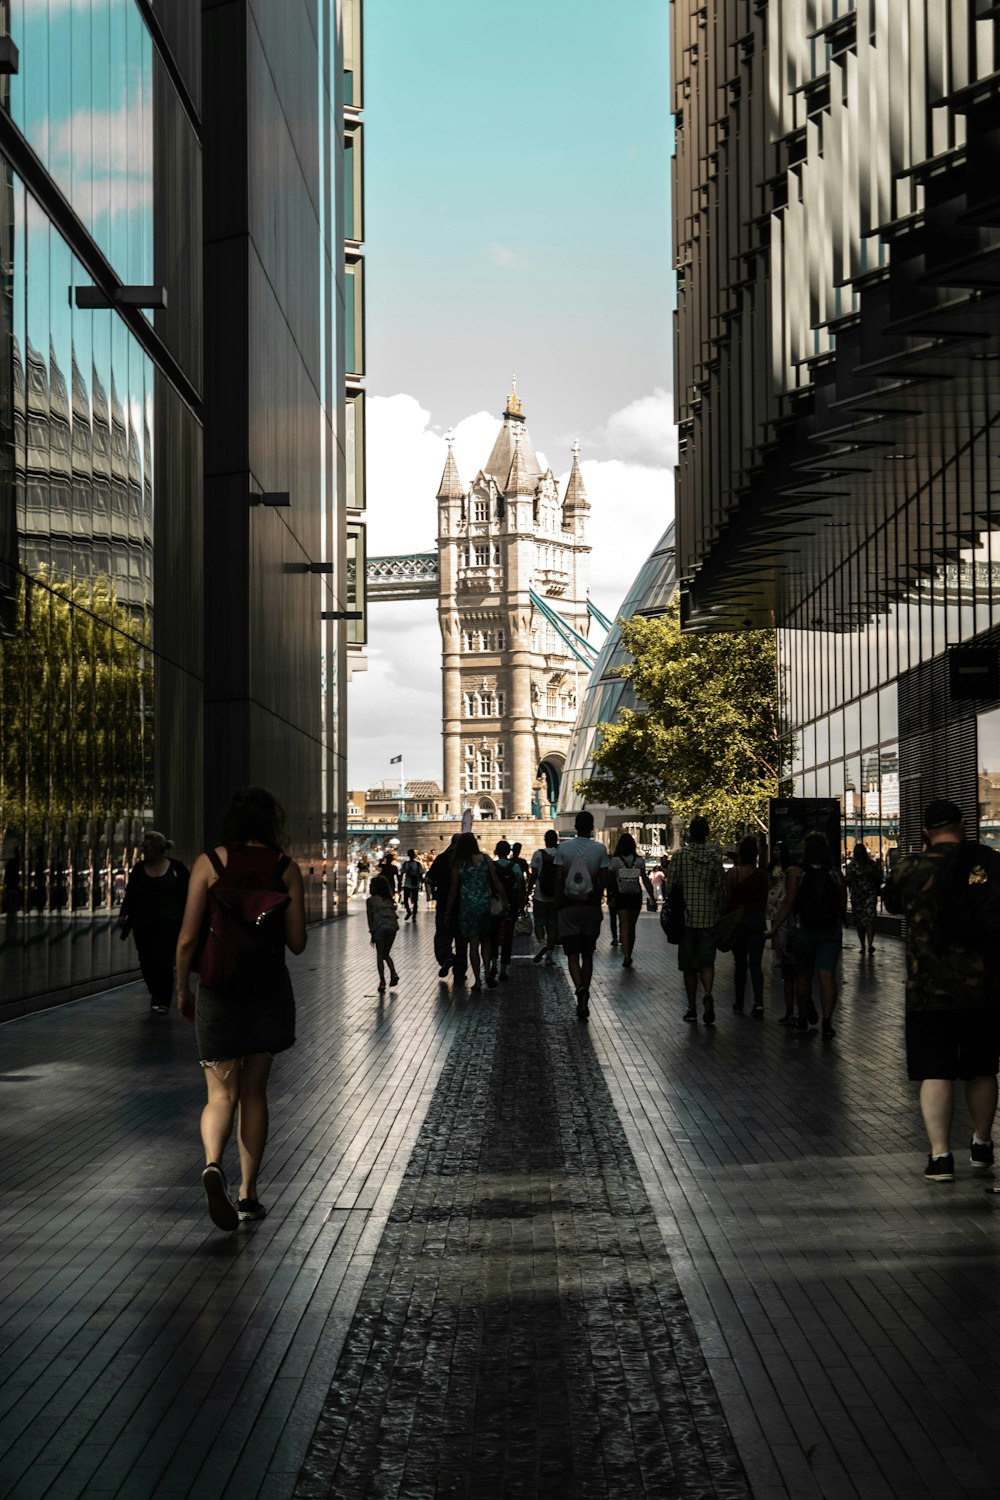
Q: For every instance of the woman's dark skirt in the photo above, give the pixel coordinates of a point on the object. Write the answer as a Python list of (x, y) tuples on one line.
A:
[(237, 1025)]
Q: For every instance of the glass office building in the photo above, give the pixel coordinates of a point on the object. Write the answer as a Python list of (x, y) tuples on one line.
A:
[(607, 693), (838, 383), (125, 413)]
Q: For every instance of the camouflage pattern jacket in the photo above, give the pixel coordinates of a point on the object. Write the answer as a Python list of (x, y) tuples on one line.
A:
[(939, 975)]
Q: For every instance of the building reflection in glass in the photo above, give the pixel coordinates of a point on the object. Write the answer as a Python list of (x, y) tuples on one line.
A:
[(76, 664)]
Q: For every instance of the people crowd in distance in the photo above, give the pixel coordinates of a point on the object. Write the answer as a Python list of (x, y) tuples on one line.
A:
[(799, 900), (233, 919)]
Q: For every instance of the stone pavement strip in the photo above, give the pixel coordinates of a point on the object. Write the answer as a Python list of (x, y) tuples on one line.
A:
[(580, 1200), (521, 1331)]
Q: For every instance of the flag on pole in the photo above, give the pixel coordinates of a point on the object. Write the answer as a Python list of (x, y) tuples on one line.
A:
[(397, 760)]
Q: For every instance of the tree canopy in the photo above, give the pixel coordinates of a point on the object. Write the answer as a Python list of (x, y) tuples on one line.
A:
[(706, 738)]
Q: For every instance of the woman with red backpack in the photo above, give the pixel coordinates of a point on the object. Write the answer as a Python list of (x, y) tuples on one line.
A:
[(245, 906)]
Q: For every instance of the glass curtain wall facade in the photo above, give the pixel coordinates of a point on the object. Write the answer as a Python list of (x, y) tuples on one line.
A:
[(275, 427), (100, 484), (838, 376), (172, 320)]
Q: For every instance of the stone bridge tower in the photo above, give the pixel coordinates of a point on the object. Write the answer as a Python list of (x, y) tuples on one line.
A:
[(510, 683)]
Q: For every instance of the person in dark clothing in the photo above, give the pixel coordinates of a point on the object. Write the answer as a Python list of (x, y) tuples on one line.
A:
[(748, 890), (947, 893), (152, 910), (450, 949), (241, 1028), (388, 867), (508, 871), (525, 868)]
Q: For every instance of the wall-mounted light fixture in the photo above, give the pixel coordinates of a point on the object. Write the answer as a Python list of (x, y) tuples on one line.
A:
[(278, 498), (153, 298), (10, 59), (341, 614), (323, 567)]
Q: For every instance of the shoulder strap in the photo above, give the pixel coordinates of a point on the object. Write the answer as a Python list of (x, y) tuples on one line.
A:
[(216, 862), (283, 862)]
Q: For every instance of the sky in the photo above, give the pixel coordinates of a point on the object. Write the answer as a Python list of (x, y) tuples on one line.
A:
[(517, 181)]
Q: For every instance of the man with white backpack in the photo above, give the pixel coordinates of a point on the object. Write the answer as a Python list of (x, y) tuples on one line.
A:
[(581, 873)]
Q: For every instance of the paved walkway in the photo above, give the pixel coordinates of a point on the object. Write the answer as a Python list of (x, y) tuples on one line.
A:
[(506, 1254)]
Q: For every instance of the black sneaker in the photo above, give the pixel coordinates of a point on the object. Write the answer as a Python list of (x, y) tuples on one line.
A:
[(828, 1030), (444, 971), (980, 1156), (940, 1168), (583, 1003), (249, 1208), (539, 955), (691, 1014), (221, 1208), (708, 1013)]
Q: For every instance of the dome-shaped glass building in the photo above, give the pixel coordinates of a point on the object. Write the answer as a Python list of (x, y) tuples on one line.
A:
[(606, 694)]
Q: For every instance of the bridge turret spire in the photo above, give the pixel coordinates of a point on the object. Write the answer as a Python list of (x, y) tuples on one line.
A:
[(576, 502), (451, 486)]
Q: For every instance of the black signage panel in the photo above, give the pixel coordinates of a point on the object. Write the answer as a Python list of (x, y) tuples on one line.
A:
[(791, 818), (973, 672)]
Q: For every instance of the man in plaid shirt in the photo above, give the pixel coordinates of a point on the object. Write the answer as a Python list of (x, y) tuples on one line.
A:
[(699, 873)]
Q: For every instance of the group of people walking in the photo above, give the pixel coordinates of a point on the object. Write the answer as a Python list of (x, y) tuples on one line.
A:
[(480, 902), (800, 906), (241, 907)]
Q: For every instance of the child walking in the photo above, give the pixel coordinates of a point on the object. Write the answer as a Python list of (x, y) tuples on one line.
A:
[(383, 924)]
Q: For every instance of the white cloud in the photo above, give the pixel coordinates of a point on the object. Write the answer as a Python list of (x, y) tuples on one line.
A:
[(395, 707), (502, 255), (406, 459), (630, 506), (643, 431)]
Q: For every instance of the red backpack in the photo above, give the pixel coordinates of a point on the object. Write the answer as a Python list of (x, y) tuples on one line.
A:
[(244, 939)]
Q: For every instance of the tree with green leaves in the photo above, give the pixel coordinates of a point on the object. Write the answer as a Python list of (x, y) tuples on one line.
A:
[(706, 738)]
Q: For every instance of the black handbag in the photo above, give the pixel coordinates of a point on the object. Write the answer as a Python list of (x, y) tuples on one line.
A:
[(672, 915)]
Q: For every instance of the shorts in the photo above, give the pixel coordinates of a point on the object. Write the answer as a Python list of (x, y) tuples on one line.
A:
[(629, 903), (952, 1044), (578, 928), (544, 913), (816, 950), (696, 949)]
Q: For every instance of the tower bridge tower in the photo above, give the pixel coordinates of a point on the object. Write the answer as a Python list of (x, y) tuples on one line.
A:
[(510, 682)]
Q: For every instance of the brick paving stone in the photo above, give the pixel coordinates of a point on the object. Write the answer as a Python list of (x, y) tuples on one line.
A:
[(847, 1313), (522, 1296)]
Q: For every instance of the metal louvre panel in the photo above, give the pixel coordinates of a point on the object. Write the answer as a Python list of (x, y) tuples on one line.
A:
[(937, 745)]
